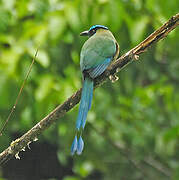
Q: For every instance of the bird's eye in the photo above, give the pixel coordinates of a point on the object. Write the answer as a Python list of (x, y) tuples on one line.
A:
[(92, 32)]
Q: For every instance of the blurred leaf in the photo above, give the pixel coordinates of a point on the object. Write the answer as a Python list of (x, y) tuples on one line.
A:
[(45, 85), (84, 169), (42, 56), (72, 15), (70, 178), (57, 25), (137, 29)]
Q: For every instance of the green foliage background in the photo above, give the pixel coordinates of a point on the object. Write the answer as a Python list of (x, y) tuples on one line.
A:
[(139, 112)]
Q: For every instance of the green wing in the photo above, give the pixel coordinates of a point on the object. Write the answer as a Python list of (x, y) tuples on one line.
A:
[(95, 51)]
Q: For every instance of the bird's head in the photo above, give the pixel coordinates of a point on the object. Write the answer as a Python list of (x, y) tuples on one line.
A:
[(93, 30)]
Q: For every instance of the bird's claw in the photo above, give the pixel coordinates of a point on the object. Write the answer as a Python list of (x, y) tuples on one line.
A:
[(136, 57), (14, 142), (113, 78)]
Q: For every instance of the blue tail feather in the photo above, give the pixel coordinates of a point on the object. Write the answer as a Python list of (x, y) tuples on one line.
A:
[(80, 146), (85, 104), (74, 145), (90, 97)]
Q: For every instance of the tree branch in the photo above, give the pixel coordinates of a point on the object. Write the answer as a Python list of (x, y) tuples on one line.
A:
[(20, 143)]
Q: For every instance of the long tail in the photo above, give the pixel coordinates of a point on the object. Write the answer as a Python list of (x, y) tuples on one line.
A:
[(85, 105)]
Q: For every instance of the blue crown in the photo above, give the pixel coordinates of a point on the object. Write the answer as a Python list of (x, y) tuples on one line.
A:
[(98, 26)]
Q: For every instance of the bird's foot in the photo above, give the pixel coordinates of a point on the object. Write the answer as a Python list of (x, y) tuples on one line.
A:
[(113, 78), (136, 57), (13, 143)]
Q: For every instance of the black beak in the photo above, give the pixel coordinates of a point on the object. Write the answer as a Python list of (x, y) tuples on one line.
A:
[(84, 33)]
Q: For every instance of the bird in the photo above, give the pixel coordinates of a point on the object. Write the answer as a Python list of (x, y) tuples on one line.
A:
[(96, 55)]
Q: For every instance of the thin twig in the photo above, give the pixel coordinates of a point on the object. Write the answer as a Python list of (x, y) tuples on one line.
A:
[(19, 94), (20, 143), (126, 152), (157, 166), (123, 150)]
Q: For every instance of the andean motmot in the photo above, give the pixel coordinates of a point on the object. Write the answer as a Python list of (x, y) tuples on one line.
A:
[(96, 55)]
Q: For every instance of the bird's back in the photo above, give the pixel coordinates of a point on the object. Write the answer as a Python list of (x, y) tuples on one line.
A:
[(97, 48)]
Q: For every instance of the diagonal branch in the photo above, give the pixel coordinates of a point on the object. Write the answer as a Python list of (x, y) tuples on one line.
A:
[(20, 143), (127, 153)]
